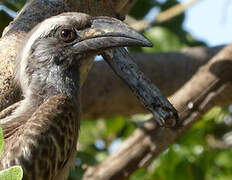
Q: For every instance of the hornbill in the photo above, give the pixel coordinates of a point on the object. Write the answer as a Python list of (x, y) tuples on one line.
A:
[(52, 65)]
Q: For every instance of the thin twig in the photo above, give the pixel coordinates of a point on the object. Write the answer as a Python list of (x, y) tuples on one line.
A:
[(162, 17), (174, 11)]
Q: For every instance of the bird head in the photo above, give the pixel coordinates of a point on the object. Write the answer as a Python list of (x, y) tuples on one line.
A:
[(58, 53)]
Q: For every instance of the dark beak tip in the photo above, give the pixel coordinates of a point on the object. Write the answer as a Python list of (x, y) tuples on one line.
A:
[(145, 42), (149, 44)]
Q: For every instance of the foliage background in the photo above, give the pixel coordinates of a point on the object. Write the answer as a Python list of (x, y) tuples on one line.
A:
[(200, 154)]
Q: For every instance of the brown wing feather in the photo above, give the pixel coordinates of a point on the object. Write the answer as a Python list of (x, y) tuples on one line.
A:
[(8, 111), (45, 141)]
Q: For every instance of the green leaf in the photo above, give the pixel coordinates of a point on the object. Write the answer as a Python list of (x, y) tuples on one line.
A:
[(90, 131), (1, 141), (12, 173), (141, 173), (163, 40)]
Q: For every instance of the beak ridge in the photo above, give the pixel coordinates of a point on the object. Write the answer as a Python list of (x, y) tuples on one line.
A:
[(106, 32)]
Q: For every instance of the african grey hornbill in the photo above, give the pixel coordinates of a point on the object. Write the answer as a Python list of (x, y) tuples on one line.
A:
[(54, 60)]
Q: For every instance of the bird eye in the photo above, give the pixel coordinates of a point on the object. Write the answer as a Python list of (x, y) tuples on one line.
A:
[(67, 35)]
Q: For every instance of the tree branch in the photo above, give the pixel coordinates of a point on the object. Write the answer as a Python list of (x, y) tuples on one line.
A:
[(161, 17), (105, 95), (211, 81)]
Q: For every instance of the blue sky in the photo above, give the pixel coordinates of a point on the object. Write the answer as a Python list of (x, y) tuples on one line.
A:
[(210, 21), (207, 20)]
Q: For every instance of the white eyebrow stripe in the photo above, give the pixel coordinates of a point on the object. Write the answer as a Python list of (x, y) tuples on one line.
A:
[(39, 32)]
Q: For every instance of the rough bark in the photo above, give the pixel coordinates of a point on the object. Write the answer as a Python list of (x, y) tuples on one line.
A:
[(211, 82), (122, 63), (105, 95)]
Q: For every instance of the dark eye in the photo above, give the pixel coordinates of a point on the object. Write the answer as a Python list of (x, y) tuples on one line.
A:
[(67, 35)]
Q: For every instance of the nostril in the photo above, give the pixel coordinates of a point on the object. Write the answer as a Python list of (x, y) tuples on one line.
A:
[(120, 16), (89, 24)]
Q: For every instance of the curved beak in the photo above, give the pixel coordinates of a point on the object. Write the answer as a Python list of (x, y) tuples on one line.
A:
[(106, 32)]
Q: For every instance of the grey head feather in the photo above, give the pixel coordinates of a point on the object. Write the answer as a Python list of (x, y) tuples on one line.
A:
[(34, 67)]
